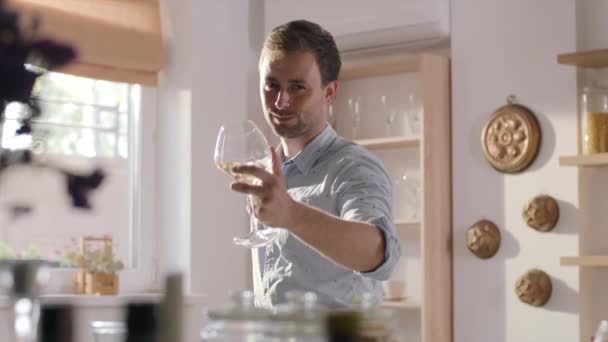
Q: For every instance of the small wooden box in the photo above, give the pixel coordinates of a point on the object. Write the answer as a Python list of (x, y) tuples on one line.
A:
[(100, 283)]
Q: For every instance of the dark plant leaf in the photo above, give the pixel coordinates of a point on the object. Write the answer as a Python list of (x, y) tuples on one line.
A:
[(9, 27), (19, 210), (79, 187), (34, 107), (54, 54), (26, 128), (16, 83), (12, 157)]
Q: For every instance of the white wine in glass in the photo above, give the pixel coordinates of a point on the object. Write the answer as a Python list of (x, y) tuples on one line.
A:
[(242, 143)]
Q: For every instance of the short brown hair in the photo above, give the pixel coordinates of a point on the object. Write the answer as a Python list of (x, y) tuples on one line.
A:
[(303, 35)]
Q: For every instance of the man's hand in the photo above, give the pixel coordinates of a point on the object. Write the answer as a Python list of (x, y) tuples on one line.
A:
[(272, 206), (355, 245)]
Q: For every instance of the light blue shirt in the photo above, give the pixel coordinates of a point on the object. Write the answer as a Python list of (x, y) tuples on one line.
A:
[(342, 178)]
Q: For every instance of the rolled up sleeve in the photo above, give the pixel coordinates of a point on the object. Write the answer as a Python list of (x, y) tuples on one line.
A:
[(365, 194)]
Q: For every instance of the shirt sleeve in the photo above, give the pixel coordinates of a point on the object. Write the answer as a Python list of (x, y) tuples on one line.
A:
[(365, 194)]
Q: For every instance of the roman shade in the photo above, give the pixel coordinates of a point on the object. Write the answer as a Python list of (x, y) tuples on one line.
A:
[(116, 40)]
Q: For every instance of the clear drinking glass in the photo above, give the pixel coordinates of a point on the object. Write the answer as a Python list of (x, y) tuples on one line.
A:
[(354, 108), (414, 114), (331, 116), (413, 187), (407, 194), (389, 116), (242, 143)]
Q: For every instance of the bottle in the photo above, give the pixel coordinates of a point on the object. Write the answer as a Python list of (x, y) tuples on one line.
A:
[(142, 322), (171, 309), (343, 326), (594, 119), (56, 324), (601, 334)]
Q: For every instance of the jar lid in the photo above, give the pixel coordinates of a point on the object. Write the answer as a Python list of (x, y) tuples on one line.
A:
[(109, 327), (241, 309)]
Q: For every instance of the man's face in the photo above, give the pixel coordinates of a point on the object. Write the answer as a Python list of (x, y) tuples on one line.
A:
[(293, 96)]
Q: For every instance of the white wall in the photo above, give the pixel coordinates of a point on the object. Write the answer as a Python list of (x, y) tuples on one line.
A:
[(206, 82), (226, 36), (501, 48), (361, 24), (173, 139)]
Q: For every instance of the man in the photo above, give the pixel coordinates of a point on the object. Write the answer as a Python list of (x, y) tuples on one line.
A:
[(331, 197)]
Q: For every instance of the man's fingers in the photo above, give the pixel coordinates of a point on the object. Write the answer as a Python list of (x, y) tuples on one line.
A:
[(276, 164), (253, 170), (245, 188)]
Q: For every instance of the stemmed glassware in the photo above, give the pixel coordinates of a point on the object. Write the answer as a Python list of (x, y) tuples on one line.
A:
[(242, 143), (331, 116), (407, 194), (414, 114), (354, 107), (389, 116)]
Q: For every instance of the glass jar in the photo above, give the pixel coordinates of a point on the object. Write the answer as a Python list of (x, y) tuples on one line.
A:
[(300, 319), (241, 321), (378, 324), (25, 278), (594, 119)]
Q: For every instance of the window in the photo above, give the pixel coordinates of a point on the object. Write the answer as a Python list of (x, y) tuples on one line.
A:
[(81, 117), (85, 123)]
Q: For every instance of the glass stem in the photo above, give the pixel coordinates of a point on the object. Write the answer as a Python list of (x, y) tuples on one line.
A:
[(253, 221)]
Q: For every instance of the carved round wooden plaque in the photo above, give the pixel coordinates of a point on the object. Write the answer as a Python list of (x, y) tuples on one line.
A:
[(483, 239), (541, 213), (511, 138), (534, 288)]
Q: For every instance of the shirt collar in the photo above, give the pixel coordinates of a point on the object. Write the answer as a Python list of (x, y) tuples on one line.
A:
[(313, 150)]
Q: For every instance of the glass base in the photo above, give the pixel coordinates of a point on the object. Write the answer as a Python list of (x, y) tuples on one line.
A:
[(257, 239)]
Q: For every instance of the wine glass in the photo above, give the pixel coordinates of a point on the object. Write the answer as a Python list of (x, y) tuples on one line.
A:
[(331, 116), (389, 116), (407, 193), (354, 109), (242, 143), (414, 114)]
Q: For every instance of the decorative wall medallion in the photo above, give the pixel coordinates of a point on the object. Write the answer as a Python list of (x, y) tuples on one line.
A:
[(534, 287), (511, 138), (541, 213), (483, 239)]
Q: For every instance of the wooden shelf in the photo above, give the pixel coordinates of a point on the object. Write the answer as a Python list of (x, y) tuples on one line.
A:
[(600, 159), (585, 261), (408, 223), (407, 303), (386, 143), (585, 59)]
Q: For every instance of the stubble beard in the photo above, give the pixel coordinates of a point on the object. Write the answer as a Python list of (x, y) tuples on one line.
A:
[(289, 132)]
